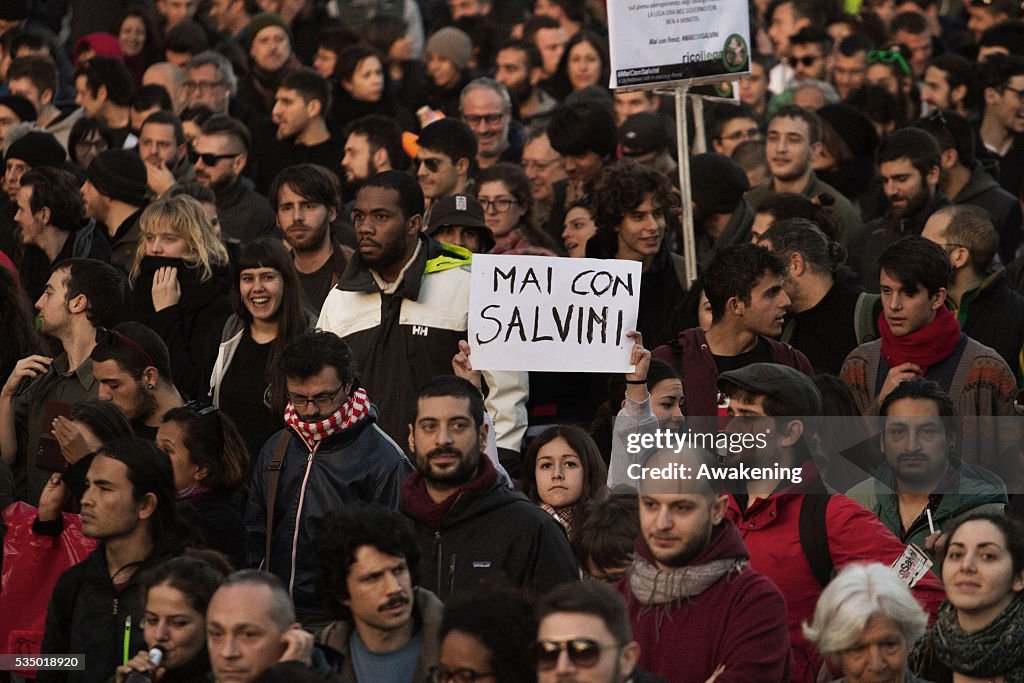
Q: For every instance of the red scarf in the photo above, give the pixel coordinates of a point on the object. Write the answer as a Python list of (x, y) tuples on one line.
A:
[(354, 409), (924, 347), (419, 503)]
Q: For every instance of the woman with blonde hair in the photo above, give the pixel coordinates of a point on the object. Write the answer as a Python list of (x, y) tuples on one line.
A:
[(180, 287)]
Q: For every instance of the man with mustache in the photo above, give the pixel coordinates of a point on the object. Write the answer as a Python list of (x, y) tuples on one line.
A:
[(922, 474), (386, 629), (470, 526)]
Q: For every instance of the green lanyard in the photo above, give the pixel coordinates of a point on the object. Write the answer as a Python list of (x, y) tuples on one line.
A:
[(127, 636)]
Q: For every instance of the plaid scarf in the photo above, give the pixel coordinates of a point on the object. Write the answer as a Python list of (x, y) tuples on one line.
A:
[(354, 409), (565, 516)]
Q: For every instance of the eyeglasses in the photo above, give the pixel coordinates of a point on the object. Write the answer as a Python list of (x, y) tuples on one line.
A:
[(489, 119), (1016, 91), (201, 408), (583, 652), (806, 60), (540, 165), (113, 338), (440, 674), (209, 158), (432, 163), (202, 86), (889, 57), (500, 205), (323, 401)]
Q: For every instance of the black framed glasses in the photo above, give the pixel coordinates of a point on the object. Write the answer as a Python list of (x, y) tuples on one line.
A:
[(500, 205), (202, 86), (433, 164), (806, 60), (583, 652), (113, 338), (889, 57), (323, 401), (209, 158), (1016, 91), (489, 119), (442, 674)]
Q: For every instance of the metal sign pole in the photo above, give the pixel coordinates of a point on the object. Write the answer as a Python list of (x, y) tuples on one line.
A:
[(683, 150)]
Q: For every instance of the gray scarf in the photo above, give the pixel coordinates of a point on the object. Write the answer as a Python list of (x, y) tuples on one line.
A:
[(652, 586)]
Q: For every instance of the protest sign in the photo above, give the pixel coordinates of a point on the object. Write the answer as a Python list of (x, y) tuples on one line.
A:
[(655, 42), (552, 314)]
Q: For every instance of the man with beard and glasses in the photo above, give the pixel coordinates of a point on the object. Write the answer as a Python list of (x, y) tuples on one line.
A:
[(81, 295), (133, 368), (691, 589), (909, 161), (387, 629), (305, 199), (334, 455), (784, 406), (470, 526), (922, 474), (221, 153), (402, 305)]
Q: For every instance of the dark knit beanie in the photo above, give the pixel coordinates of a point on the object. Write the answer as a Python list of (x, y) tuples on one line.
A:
[(854, 128), (717, 183), (643, 133), (119, 174), (37, 149), (264, 20), (21, 107)]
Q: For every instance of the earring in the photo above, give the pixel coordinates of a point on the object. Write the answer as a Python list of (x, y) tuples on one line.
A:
[(151, 386)]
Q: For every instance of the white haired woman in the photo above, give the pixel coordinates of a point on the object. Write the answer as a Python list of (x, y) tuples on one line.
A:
[(866, 621)]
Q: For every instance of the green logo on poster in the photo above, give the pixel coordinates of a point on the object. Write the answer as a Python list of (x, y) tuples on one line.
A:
[(735, 53)]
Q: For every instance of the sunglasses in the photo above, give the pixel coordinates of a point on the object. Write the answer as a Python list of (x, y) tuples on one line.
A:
[(210, 159), (806, 60), (113, 338), (583, 652), (889, 57), (432, 163)]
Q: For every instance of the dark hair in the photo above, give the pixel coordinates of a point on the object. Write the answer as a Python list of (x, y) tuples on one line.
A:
[(450, 137), (312, 351), (784, 205), (128, 358), (149, 96), (813, 35), (913, 23), (811, 10), (335, 39), (960, 71), (585, 127), (194, 578), (595, 472), (187, 37), (922, 389), (214, 442), (792, 111), (20, 336), (560, 83), (339, 539), (25, 40), (536, 23), (723, 113), (454, 387), (518, 184), (111, 73), (40, 69), (854, 43), (220, 124), (1007, 34), (56, 190), (1012, 530), (382, 32), (912, 144), (83, 128), (101, 283), (103, 418), (151, 52), (606, 533), (998, 69), (165, 117), (877, 103), (350, 57), (533, 57), (972, 227), (799, 235), (200, 193), (293, 315), (310, 85), (197, 113), (993, 7), (380, 133), (734, 272), (410, 195), (951, 131), (312, 182), (502, 620), (915, 260), (595, 598), (150, 472), (621, 188)]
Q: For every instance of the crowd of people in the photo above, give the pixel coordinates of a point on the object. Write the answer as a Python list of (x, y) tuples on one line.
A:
[(242, 436)]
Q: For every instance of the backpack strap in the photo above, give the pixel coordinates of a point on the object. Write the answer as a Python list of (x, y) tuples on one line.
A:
[(273, 480), (865, 320), (814, 532)]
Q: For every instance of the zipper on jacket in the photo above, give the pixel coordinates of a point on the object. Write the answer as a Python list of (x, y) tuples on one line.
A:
[(115, 607), (298, 516), (451, 575), (437, 553)]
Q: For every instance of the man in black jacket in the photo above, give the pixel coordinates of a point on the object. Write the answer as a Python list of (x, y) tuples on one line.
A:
[(470, 526), (97, 607)]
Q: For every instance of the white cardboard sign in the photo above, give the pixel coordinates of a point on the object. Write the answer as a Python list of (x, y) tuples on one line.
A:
[(552, 314)]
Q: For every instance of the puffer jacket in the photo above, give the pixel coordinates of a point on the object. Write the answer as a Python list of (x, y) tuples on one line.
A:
[(358, 465)]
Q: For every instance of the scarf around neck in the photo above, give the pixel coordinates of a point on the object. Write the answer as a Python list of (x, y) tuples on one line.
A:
[(353, 410), (652, 586), (565, 516), (421, 506), (993, 651), (925, 347)]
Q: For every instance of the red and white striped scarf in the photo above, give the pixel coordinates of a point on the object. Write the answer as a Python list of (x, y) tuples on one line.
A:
[(354, 409)]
